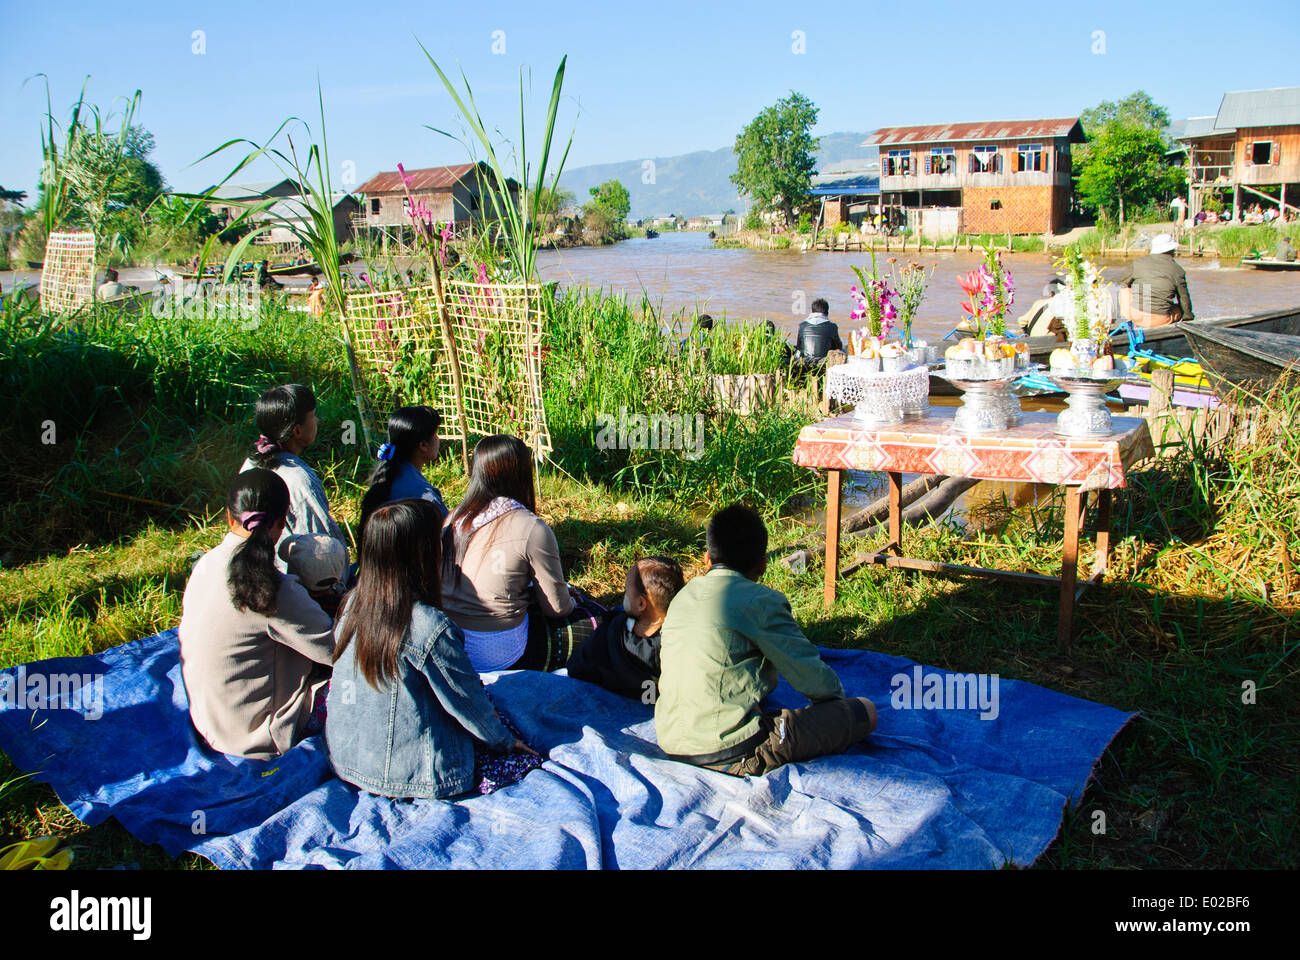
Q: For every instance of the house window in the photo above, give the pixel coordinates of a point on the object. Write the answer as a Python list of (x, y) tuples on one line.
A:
[(942, 160), (985, 159), (1261, 152), (374, 205), (898, 163), (1029, 156)]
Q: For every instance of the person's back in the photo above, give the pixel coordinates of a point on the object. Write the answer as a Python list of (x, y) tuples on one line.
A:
[(252, 673), (1284, 250), (817, 335), (399, 740), (725, 642), (1158, 286)]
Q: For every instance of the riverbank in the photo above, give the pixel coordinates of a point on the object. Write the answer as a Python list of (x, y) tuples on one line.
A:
[(102, 529)]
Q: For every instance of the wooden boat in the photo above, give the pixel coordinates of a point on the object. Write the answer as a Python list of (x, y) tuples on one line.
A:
[(1253, 359), (1169, 341), (1269, 263), (650, 234)]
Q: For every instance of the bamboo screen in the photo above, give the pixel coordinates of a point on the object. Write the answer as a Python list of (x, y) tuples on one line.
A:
[(397, 339), (68, 275)]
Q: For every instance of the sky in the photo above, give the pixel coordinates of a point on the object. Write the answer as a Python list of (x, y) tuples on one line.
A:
[(643, 80)]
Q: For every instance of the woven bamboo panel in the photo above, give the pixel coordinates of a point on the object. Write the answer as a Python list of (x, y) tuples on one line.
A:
[(397, 340), (68, 276)]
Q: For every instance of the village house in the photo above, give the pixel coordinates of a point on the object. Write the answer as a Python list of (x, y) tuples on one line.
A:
[(999, 176), (848, 191), (231, 200), (1252, 143), (454, 195)]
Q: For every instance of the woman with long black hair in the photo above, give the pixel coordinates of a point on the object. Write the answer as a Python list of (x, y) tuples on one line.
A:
[(286, 419), (412, 445), (408, 716), (503, 581), (255, 647)]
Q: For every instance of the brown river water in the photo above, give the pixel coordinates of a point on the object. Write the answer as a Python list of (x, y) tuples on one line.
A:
[(685, 271)]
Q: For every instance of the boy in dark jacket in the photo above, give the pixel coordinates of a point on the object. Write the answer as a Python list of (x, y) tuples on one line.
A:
[(622, 655)]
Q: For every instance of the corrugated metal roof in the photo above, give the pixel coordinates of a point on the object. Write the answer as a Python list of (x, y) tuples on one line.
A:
[(833, 186), (429, 178), (1277, 107), (1197, 127), (248, 191), (985, 130)]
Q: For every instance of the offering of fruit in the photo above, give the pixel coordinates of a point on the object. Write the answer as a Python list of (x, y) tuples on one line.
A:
[(1062, 359), (1102, 364)]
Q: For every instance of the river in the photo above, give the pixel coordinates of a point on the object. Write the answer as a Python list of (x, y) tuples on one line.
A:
[(685, 271)]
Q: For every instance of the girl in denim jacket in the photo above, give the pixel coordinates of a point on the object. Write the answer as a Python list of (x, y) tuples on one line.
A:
[(408, 716)]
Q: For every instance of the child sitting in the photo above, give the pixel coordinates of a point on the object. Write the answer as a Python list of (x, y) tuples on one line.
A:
[(622, 655), (724, 642), (320, 563)]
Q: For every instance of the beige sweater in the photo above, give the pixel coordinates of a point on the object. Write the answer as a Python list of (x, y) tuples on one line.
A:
[(251, 679), (503, 557)]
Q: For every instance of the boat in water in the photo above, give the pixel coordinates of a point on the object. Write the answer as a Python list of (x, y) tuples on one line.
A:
[(1241, 357)]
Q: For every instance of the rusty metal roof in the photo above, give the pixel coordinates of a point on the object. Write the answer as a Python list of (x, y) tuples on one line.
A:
[(422, 181), (985, 130)]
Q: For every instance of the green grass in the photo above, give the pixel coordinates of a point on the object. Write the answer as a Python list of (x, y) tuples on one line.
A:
[(1201, 597)]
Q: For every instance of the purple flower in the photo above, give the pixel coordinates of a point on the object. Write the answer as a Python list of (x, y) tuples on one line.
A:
[(402, 173)]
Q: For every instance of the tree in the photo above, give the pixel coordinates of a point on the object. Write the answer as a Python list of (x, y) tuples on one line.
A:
[(1125, 165), (1137, 108), (774, 155), (611, 198)]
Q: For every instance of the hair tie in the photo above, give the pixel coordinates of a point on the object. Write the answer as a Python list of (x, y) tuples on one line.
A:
[(266, 445), (386, 451), (250, 520)]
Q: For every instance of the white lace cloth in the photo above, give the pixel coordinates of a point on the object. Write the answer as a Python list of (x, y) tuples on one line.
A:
[(850, 385)]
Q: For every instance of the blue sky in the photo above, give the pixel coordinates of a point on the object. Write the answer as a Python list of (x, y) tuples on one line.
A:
[(644, 79)]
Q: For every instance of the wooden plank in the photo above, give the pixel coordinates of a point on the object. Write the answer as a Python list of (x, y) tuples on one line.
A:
[(895, 514), (833, 480), (1069, 566)]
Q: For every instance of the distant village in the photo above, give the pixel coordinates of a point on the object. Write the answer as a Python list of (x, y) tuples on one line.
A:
[(939, 180)]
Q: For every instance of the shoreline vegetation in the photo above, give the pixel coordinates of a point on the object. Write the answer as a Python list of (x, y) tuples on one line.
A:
[(1227, 242), (102, 527)]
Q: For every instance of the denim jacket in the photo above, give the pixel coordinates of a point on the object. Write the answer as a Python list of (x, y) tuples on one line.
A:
[(415, 737)]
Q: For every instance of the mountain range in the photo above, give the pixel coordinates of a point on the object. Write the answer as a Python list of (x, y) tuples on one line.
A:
[(692, 184)]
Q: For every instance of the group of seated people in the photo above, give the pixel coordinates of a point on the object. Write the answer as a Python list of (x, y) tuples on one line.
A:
[(281, 638)]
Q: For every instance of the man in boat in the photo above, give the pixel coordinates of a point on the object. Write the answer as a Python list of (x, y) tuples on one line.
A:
[(110, 288), (1153, 289), (1284, 250), (1040, 320), (817, 336)]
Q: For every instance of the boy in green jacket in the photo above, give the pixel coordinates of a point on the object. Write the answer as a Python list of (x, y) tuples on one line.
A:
[(725, 640)]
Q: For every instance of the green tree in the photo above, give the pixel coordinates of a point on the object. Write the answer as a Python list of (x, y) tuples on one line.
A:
[(612, 198), (774, 155), (1125, 165), (1137, 108)]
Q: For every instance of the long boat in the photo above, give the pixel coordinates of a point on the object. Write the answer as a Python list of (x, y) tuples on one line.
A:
[(1269, 263), (1248, 358), (1169, 341)]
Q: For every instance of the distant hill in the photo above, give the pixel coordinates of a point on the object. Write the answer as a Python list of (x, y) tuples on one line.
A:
[(696, 183)]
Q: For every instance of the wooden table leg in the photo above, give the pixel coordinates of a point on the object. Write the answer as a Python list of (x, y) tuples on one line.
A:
[(1102, 563), (833, 478), (1069, 565), (895, 514)]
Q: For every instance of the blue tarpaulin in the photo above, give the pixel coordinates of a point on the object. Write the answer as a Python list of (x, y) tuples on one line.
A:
[(930, 788)]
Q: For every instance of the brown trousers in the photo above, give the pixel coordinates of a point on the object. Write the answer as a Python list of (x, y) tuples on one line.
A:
[(819, 730)]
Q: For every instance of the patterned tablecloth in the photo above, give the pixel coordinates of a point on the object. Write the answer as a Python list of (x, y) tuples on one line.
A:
[(1031, 451)]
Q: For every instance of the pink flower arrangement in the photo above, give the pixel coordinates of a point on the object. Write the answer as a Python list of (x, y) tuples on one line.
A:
[(875, 301)]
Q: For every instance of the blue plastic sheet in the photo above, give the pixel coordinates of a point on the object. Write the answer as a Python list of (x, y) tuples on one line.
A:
[(931, 788)]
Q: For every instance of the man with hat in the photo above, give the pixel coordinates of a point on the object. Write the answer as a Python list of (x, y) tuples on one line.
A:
[(1156, 287)]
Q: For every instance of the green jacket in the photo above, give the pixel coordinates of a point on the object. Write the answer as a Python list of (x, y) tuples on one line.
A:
[(724, 641)]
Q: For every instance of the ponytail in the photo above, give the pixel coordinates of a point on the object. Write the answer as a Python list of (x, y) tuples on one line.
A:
[(258, 501), (408, 427), (279, 410)]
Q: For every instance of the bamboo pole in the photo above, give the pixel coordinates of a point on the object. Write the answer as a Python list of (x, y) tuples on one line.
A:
[(449, 343)]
